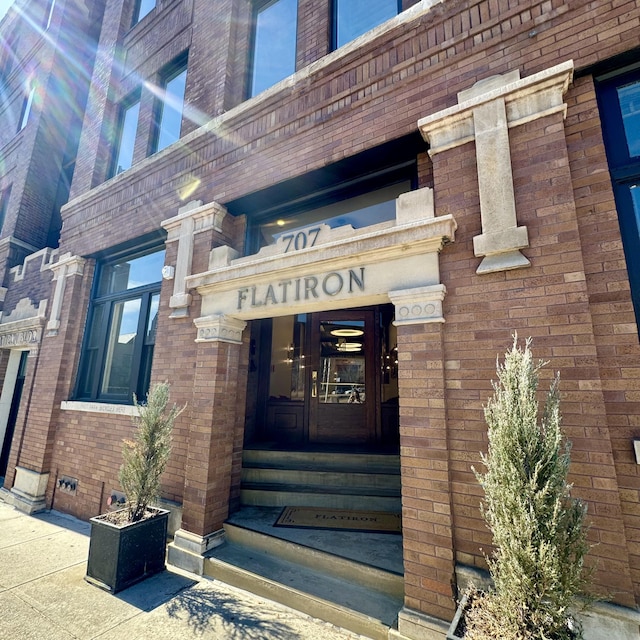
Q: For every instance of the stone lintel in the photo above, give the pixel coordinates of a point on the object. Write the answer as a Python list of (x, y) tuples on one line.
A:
[(219, 328), (419, 305)]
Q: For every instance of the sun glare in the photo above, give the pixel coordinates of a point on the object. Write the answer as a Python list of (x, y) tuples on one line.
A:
[(4, 7)]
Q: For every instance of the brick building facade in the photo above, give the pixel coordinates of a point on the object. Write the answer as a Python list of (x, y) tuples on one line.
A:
[(422, 184)]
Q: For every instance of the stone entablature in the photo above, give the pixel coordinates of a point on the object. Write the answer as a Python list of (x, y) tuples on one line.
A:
[(22, 328), (335, 268), (484, 114)]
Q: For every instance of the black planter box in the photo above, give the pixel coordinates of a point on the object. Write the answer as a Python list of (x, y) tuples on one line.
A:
[(121, 555)]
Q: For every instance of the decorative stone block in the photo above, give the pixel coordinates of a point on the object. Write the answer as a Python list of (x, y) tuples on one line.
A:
[(220, 328), (419, 305)]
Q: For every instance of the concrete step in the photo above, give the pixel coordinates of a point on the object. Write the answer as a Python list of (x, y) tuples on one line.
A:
[(369, 482), (342, 602), (285, 496), (322, 461), (362, 481), (383, 580)]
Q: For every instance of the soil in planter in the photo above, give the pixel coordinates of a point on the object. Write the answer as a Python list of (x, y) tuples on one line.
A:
[(121, 517)]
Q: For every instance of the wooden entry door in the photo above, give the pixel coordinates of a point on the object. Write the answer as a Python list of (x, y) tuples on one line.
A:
[(342, 377)]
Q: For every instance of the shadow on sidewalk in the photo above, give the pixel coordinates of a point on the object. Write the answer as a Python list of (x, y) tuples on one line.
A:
[(64, 521), (222, 612)]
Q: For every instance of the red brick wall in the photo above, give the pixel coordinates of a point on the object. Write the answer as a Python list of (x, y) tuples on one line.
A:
[(548, 302), (615, 329), (573, 300)]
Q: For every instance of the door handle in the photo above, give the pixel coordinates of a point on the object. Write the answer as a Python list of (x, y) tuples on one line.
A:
[(314, 384)]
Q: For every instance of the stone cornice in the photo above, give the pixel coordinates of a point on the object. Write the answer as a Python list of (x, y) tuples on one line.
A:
[(377, 245)]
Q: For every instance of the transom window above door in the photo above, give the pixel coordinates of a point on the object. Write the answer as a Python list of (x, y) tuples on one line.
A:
[(360, 211)]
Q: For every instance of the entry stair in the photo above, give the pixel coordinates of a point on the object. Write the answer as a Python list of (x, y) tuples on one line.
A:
[(329, 479), (351, 579)]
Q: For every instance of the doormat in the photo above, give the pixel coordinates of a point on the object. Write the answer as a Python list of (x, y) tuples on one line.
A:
[(340, 519)]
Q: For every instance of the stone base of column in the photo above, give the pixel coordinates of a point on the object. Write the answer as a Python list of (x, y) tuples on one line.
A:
[(187, 549), (413, 625), (28, 491)]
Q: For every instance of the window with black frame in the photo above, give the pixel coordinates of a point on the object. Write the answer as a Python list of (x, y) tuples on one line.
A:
[(25, 111), (121, 327), (352, 18), (126, 135), (170, 104), (143, 8), (619, 102), (273, 51)]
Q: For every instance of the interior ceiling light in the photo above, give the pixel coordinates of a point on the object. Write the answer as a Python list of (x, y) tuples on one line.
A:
[(349, 346), (347, 333)]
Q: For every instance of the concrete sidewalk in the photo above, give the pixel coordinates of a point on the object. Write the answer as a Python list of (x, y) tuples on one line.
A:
[(43, 595)]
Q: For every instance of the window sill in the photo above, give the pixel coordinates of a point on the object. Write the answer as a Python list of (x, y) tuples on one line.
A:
[(99, 407)]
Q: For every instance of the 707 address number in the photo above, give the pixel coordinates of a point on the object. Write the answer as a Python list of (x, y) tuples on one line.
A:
[(300, 240)]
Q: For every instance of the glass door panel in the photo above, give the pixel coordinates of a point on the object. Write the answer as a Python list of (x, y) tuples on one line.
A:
[(342, 403)]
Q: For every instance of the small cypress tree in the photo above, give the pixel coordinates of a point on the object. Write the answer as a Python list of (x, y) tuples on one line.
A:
[(538, 529), (145, 457)]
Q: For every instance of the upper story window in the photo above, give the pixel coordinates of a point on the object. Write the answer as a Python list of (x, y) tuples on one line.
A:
[(126, 136), (142, 8), (274, 44), (121, 327), (170, 105), (352, 18), (619, 102), (5, 194), (26, 108)]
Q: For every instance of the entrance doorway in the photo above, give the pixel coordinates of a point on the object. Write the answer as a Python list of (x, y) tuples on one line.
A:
[(328, 378), (10, 403)]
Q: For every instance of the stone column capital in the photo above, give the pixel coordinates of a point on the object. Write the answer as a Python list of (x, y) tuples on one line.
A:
[(419, 305), (219, 328)]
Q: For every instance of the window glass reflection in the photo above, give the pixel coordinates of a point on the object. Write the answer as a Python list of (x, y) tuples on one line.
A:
[(130, 274), (629, 98), (355, 17), (274, 46), (170, 123), (119, 357)]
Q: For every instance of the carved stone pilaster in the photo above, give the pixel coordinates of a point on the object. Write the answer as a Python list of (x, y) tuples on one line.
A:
[(192, 218), (66, 266), (219, 328), (485, 113), (419, 305)]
